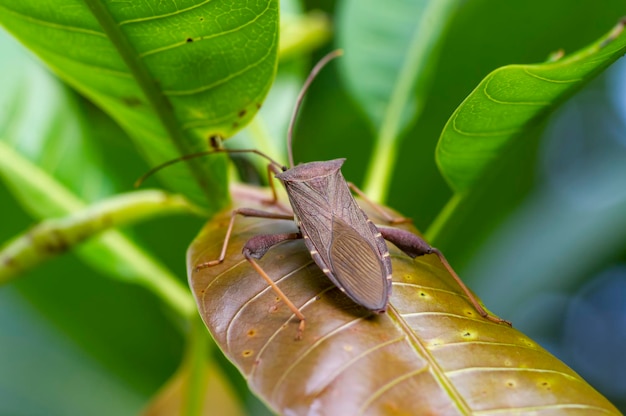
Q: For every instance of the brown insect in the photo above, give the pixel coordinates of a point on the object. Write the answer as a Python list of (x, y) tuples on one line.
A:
[(346, 245)]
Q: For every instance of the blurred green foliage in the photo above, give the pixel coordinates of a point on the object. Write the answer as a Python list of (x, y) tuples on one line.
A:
[(531, 242)]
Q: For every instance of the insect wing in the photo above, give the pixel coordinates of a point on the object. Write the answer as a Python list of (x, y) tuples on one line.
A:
[(357, 267), (343, 243)]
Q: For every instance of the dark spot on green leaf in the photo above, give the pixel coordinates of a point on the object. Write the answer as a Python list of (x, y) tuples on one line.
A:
[(242, 113), (189, 40), (235, 125), (258, 105), (201, 19), (214, 141)]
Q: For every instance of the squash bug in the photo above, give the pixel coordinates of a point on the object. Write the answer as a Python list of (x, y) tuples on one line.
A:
[(344, 243)]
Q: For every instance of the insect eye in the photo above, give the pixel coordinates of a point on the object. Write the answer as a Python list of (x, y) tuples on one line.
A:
[(284, 168)]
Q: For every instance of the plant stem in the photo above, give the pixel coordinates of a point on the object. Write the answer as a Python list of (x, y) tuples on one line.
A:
[(302, 33), (196, 369), (421, 47), (55, 236), (111, 253), (435, 228)]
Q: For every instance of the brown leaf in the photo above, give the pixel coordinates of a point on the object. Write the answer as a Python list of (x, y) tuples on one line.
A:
[(170, 400), (429, 354)]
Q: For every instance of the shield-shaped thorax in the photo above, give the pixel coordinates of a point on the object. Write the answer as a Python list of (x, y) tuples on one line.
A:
[(341, 239)]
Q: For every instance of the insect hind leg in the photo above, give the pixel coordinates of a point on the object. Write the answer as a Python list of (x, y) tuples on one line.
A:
[(255, 248), (414, 246)]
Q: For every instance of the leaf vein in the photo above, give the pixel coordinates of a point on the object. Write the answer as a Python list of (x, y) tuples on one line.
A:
[(387, 386), (271, 338), (451, 292), (312, 347), (512, 370), (508, 410), (495, 100), (90, 66), (223, 80), (161, 16), (207, 37), (484, 134), (555, 81), (333, 375), (433, 313), (256, 296), (53, 25), (490, 343), (422, 351)]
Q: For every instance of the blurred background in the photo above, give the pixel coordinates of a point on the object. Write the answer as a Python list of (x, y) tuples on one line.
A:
[(543, 245)]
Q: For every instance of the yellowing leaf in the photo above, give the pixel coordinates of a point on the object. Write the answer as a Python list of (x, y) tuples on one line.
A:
[(430, 354)]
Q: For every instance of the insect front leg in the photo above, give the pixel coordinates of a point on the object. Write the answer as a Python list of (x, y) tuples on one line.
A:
[(271, 171), (414, 246), (255, 248), (389, 218), (246, 212)]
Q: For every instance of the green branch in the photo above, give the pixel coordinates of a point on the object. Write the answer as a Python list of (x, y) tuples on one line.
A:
[(411, 82), (112, 253)]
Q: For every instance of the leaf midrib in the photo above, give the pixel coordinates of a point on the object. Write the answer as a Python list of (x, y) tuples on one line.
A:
[(434, 366), (142, 76)]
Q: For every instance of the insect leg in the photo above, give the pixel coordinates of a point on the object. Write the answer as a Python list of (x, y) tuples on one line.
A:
[(271, 171), (255, 248), (414, 246), (246, 212), (377, 208)]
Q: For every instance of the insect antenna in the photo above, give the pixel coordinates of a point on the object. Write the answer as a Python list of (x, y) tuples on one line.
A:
[(215, 150), (316, 69)]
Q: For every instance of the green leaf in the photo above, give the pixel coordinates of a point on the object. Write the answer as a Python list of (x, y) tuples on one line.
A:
[(45, 125), (391, 50), (431, 353), (171, 74), (512, 100)]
